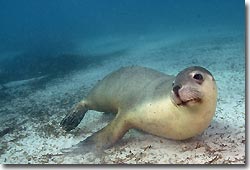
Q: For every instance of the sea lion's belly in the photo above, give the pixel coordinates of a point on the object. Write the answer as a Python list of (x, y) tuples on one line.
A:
[(163, 118)]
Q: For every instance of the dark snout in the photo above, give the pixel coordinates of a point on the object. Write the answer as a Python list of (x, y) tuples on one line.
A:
[(176, 89)]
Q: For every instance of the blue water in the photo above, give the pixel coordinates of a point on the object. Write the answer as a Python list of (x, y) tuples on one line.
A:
[(56, 24), (37, 31)]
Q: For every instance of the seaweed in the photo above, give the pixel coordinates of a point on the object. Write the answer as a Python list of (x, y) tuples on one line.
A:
[(26, 66), (6, 131)]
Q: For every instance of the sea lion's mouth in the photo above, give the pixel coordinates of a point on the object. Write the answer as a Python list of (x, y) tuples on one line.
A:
[(194, 100), (189, 98)]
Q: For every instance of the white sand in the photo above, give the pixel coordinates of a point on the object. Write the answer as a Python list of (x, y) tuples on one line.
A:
[(35, 115)]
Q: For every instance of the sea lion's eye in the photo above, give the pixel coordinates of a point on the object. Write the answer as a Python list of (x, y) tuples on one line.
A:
[(198, 77), (173, 84)]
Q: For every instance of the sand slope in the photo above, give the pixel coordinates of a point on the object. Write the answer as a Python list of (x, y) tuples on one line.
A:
[(30, 120)]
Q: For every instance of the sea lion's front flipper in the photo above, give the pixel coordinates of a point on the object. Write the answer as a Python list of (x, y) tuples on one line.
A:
[(73, 118), (102, 139)]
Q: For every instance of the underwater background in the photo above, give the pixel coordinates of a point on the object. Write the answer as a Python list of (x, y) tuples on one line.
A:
[(52, 52), (41, 30)]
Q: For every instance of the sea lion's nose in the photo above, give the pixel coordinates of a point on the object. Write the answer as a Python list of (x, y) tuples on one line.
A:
[(176, 89)]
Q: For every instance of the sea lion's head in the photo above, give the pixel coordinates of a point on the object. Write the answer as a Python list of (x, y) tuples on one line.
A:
[(192, 86)]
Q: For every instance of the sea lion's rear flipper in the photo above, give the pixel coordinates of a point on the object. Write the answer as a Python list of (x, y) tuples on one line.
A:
[(102, 139), (73, 118)]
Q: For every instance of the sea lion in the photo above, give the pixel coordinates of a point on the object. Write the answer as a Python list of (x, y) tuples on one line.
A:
[(167, 106)]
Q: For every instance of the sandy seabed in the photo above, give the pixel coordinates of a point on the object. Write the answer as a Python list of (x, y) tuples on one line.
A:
[(30, 120)]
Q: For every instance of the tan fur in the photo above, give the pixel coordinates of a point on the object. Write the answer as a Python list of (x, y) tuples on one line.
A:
[(143, 98)]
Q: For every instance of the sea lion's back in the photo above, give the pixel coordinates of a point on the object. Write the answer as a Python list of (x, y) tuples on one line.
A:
[(125, 86)]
